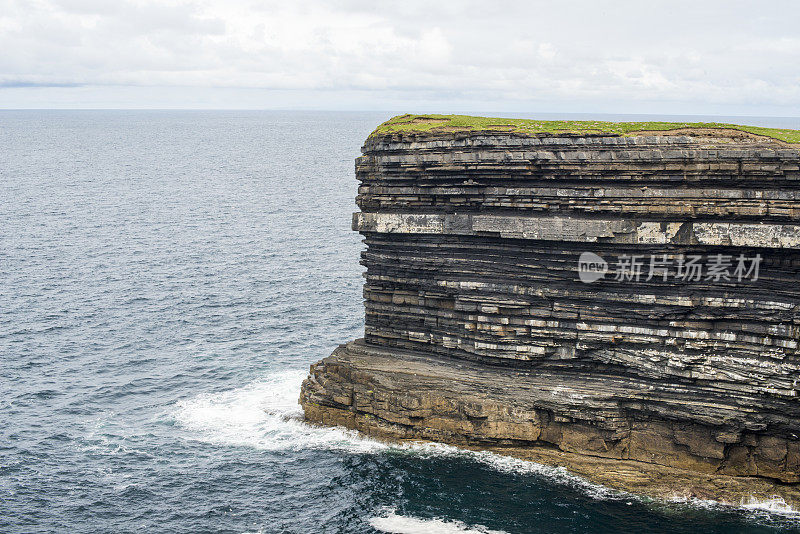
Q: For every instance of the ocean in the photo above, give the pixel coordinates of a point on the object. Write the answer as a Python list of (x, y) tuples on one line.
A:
[(166, 279)]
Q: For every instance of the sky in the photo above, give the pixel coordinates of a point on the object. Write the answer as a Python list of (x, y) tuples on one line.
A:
[(727, 57)]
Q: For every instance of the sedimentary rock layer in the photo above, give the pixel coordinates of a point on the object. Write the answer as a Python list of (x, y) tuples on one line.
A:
[(472, 272)]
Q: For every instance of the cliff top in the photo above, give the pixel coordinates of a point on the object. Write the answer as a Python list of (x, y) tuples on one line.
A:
[(465, 123)]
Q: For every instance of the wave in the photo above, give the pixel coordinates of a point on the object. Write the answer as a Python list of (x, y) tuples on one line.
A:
[(266, 415), (399, 524), (775, 505)]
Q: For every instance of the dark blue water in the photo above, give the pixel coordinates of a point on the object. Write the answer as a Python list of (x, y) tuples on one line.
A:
[(166, 278)]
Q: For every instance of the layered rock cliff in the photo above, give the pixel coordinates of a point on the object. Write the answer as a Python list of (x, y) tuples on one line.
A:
[(632, 298)]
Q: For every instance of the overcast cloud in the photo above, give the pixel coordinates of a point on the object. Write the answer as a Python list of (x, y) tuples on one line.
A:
[(728, 57)]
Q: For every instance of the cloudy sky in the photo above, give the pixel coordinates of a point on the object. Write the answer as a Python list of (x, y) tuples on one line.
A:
[(682, 57)]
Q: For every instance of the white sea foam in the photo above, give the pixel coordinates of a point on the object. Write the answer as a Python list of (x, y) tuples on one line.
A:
[(266, 415), (774, 505), (759, 508), (399, 524)]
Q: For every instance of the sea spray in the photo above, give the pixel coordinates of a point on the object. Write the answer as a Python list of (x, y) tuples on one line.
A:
[(394, 523), (264, 415)]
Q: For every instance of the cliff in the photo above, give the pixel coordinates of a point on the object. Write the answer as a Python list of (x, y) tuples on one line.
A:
[(622, 302)]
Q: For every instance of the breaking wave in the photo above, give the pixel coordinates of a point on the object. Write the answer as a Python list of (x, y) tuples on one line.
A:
[(399, 524), (265, 415)]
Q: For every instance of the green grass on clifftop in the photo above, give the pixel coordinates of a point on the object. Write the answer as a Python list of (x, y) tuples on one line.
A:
[(466, 123)]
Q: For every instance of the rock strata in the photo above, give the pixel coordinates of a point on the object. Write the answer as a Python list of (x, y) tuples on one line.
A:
[(481, 329)]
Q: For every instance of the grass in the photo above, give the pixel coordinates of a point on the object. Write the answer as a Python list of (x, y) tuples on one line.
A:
[(465, 123)]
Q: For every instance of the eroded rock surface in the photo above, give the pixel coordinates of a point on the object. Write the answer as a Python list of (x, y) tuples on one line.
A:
[(479, 329)]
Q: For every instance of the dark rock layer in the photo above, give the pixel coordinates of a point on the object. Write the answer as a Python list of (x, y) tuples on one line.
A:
[(472, 281)]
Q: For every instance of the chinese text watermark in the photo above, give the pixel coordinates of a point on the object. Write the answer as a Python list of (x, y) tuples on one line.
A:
[(664, 267)]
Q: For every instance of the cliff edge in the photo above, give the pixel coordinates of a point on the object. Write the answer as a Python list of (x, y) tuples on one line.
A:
[(618, 298)]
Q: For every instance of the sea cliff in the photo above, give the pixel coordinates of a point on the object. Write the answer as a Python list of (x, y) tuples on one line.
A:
[(622, 302)]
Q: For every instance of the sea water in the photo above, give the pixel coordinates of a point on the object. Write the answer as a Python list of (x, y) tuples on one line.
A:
[(166, 278)]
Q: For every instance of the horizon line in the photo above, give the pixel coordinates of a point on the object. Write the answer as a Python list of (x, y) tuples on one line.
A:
[(443, 112)]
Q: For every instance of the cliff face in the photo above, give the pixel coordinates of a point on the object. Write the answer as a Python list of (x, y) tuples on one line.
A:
[(627, 298)]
